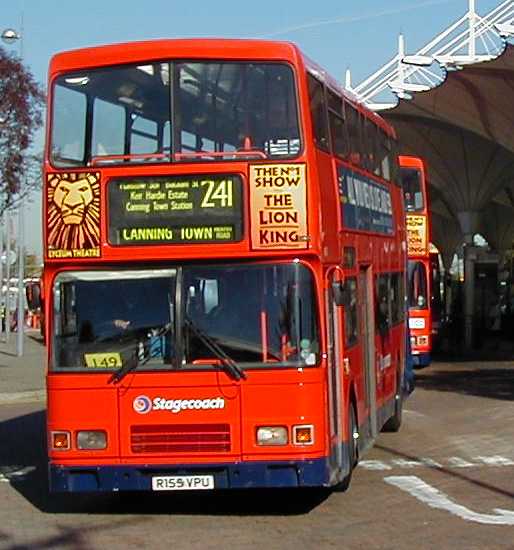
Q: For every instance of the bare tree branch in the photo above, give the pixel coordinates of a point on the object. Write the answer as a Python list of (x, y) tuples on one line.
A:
[(21, 114)]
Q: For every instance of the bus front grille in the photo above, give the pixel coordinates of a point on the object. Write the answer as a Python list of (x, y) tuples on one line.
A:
[(180, 438)]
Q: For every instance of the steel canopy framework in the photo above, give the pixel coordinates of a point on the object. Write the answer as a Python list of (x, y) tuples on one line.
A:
[(451, 103)]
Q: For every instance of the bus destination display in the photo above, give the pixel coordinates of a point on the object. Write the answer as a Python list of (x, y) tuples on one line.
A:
[(175, 209)]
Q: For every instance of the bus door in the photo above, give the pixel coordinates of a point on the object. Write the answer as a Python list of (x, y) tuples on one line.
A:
[(367, 329), (335, 357)]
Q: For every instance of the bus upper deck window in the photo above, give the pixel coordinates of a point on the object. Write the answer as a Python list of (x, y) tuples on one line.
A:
[(69, 124), (214, 109)]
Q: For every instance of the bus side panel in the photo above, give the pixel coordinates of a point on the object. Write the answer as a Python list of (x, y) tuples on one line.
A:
[(324, 169)]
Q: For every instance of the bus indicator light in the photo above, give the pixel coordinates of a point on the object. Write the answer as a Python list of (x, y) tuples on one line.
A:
[(303, 435), (60, 441), (422, 340)]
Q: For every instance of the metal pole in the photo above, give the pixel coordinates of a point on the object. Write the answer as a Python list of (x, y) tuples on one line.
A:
[(469, 294), (20, 322), (401, 55), (8, 276), (21, 282), (10, 36), (2, 302), (472, 29)]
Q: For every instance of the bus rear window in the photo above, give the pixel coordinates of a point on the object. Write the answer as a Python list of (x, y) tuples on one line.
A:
[(177, 111)]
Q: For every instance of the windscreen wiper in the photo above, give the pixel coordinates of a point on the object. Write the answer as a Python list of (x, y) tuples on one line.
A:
[(139, 357), (230, 365), (129, 366)]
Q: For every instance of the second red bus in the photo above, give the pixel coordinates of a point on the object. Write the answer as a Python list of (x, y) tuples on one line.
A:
[(419, 277)]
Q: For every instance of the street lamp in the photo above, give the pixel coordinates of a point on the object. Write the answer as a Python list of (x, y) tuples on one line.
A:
[(10, 36)]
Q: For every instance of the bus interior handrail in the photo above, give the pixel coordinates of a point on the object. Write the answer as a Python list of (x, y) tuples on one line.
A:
[(179, 156)]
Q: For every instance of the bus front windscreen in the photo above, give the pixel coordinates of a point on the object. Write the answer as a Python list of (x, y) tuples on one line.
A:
[(175, 111), (186, 318), (412, 189)]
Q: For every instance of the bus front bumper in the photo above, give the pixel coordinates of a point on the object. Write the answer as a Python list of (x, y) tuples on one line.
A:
[(307, 473), (421, 359)]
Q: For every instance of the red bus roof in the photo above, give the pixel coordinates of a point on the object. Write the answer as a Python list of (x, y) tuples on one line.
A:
[(190, 48), (412, 162)]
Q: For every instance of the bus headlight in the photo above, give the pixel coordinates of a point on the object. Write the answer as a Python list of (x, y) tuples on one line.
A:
[(91, 440), (272, 435)]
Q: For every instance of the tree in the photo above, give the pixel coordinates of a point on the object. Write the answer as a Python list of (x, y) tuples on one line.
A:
[(21, 114)]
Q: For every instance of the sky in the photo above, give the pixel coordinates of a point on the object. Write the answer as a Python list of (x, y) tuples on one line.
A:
[(358, 34)]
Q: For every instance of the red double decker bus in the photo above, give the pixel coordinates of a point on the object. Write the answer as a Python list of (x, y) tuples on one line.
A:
[(419, 285), (223, 269)]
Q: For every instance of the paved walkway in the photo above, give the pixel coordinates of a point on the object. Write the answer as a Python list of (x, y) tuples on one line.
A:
[(22, 378)]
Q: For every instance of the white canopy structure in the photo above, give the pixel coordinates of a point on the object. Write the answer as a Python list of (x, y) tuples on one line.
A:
[(452, 104)]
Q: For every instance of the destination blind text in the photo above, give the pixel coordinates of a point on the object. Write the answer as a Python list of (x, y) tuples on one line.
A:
[(175, 209)]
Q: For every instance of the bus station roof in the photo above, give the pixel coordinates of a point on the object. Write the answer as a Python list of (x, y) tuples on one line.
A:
[(461, 122), (464, 129)]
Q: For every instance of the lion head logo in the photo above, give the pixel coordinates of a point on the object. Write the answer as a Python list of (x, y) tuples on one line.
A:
[(73, 210), (73, 198)]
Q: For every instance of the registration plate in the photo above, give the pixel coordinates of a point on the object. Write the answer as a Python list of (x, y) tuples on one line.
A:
[(182, 483)]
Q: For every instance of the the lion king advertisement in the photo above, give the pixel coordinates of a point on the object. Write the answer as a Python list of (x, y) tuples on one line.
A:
[(73, 215)]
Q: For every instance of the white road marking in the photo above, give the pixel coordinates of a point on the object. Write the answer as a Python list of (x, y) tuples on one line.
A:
[(430, 462), (450, 462), (437, 499), (495, 460), (374, 465), (15, 473), (405, 463), (457, 462), (413, 413), (481, 444)]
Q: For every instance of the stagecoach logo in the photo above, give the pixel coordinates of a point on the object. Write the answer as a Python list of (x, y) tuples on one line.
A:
[(143, 404), (73, 215)]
